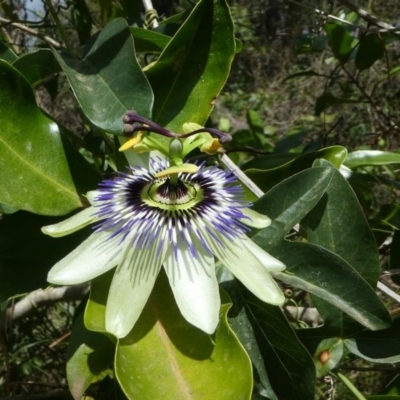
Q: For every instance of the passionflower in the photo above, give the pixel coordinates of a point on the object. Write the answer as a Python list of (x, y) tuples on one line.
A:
[(178, 216)]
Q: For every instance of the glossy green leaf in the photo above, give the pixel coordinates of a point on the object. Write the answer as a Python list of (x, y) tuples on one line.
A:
[(89, 355), (328, 99), (362, 158), (340, 41), (34, 173), (265, 172), (379, 347), (383, 397), (147, 41), (37, 66), (343, 230), (287, 203), (371, 49), (6, 53), (328, 276), (26, 254), (289, 366), (108, 81), (194, 67), (328, 354), (95, 312), (242, 327), (184, 362)]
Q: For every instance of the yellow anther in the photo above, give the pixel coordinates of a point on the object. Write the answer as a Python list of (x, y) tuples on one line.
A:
[(132, 142), (184, 168), (211, 147)]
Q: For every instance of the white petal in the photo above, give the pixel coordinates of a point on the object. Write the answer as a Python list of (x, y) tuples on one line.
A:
[(195, 286), (255, 219), (72, 224), (131, 286), (92, 197), (268, 261), (91, 258), (238, 256)]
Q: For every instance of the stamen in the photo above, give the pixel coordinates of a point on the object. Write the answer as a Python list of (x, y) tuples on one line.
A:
[(184, 168)]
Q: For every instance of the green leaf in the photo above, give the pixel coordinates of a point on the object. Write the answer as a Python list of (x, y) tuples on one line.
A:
[(362, 158), (34, 173), (108, 81), (89, 355), (289, 366), (95, 312), (37, 66), (370, 50), (339, 40), (343, 230), (183, 361), (379, 347), (242, 327), (327, 100), (327, 355), (328, 276), (148, 41), (26, 254), (266, 172), (6, 53), (196, 63), (287, 203)]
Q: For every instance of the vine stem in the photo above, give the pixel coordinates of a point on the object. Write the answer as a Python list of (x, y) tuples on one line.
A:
[(351, 387)]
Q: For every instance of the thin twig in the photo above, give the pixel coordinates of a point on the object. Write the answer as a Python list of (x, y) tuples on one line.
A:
[(382, 26), (32, 32)]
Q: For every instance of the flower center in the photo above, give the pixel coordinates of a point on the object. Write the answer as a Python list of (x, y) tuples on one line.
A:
[(164, 194)]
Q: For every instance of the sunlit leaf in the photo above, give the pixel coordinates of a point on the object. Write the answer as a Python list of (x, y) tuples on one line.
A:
[(108, 81), (184, 361), (34, 172), (362, 158), (193, 68)]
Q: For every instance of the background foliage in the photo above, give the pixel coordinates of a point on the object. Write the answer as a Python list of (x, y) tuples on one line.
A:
[(309, 90)]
